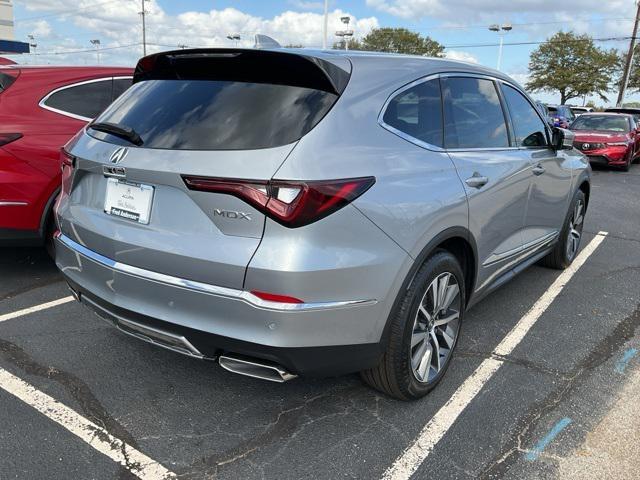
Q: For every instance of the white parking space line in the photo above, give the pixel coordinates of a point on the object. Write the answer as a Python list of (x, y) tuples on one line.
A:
[(136, 462), (37, 308), (409, 461)]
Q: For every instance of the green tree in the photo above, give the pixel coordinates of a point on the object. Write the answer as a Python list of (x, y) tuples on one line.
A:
[(396, 40), (573, 66)]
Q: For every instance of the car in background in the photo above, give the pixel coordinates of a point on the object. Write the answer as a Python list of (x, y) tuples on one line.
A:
[(560, 115), (609, 139), (212, 209), (577, 111), (41, 108), (629, 110)]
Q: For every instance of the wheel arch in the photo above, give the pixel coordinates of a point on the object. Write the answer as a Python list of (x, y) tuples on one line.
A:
[(458, 241)]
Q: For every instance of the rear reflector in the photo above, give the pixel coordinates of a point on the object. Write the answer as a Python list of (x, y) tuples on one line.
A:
[(273, 297), (290, 203), (9, 137)]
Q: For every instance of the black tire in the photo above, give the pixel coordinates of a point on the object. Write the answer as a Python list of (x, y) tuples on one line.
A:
[(627, 166), (562, 256), (49, 230), (394, 375)]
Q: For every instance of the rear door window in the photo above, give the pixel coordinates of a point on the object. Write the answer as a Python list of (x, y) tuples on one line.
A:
[(86, 100), (473, 114), (417, 112), (529, 129), (120, 85), (216, 114)]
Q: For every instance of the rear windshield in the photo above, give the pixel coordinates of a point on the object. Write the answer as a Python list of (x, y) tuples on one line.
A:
[(609, 123), (216, 115)]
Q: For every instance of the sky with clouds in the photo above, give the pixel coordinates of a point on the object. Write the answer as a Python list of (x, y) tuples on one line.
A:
[(63, 28)]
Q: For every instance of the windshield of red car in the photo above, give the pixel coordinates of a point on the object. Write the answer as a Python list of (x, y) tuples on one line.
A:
[(605, 123)]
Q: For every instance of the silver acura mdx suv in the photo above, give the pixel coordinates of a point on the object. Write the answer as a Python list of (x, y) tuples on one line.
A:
[(294, 212)]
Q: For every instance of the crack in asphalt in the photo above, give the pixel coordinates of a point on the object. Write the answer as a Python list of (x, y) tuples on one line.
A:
[(524, 435), (514, 361), (75, 387), (284, 426), (33, 286)]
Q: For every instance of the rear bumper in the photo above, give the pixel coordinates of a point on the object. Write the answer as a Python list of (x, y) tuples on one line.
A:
[(319, 339)]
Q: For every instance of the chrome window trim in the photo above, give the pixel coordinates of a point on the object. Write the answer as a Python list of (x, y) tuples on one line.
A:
[(400, 133), (201, 287), (435, 148), (42, 103)]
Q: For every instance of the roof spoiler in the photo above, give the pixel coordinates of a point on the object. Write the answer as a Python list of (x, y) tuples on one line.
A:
[(279, 67)]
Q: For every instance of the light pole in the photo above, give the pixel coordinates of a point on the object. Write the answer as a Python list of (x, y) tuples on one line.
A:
[(234, 37), (143, 14), (501, 30), (96, 42), (324, 24), (346, 33), (32, 43)]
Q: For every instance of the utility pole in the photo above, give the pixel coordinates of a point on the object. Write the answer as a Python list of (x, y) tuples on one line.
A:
[(324, 27), (143, 13), (629, 62)]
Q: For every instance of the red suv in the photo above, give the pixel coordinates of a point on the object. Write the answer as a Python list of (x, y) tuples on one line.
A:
[(41, 108)]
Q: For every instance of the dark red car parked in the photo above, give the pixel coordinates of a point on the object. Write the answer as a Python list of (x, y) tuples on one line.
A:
[(610, 139), (41, 108)]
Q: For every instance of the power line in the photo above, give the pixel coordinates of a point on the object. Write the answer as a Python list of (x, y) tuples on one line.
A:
[(480, 45), (66, 52)]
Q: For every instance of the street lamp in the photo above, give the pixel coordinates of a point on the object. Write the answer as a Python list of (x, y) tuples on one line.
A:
[(501, 30), (32, 43), (96, 43), (234, 37), (346, 33)]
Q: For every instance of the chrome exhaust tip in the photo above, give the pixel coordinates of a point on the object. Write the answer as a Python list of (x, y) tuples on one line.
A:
[(255, 368)]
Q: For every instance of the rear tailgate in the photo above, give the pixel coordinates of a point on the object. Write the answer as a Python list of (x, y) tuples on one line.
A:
[(220, 116)]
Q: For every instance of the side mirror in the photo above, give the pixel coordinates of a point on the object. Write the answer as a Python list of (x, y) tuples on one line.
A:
[(562, 139)]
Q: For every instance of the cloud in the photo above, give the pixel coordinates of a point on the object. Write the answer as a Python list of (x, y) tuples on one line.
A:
[(496, 9), (117, 24), (306, 5), (460, 55)]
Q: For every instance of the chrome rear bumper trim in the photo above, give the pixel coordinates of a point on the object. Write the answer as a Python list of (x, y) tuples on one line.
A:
[(201, 287)]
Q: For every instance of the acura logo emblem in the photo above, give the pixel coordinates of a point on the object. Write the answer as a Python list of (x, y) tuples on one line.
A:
[(118, 155)]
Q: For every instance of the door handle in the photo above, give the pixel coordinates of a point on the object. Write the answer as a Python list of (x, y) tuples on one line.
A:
[(538, 170), (477, 180)]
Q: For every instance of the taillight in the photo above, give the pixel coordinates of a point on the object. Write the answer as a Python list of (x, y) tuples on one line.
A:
[(290, 203), (9, 137), (66, 159)]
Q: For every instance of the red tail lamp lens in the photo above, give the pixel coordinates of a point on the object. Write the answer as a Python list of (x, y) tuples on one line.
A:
[(290, 203)]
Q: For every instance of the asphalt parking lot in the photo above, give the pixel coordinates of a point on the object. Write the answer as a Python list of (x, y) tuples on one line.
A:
[(528, 419)]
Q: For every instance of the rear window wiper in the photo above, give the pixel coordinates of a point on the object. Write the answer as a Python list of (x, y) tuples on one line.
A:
[(121, 131)]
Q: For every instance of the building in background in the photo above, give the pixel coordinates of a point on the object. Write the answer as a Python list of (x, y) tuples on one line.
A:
[(7, 39)]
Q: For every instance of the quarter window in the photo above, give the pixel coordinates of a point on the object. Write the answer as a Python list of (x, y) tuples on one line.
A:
[(528, 128), (86, 100), (417, 112), (473, 116)]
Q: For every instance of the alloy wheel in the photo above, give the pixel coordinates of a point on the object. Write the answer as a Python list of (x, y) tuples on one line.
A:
[(575, 230), (435, 328)]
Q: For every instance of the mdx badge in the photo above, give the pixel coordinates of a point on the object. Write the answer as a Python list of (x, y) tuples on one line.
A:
[(231, 214)]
